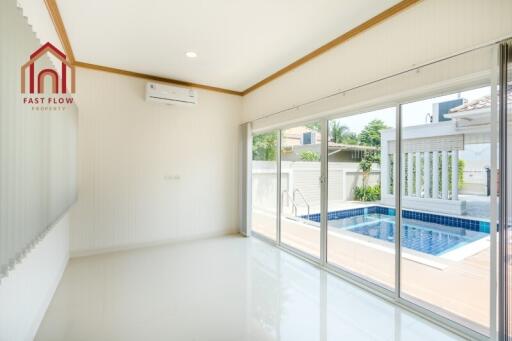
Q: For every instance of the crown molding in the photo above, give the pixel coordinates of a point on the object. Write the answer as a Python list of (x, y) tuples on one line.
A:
[(153, 78), (52, 8)]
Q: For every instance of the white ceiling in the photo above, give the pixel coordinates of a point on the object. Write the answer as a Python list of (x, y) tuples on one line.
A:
[(238, 42)]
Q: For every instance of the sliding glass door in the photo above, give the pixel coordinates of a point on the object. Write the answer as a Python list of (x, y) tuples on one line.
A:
[(264, 184), (300, 187), (505, 100), (446, 205), (361, 209), (428, 166)]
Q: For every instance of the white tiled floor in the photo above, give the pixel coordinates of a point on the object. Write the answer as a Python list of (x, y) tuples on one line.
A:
[(224, 289)]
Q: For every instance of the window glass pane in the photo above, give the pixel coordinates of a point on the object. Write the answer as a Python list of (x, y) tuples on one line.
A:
[(446, 205), (509, 183), (300, 188), (361, 214), (264, 184)]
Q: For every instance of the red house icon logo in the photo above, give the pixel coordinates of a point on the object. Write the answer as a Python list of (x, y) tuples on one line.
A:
[(42, 74)]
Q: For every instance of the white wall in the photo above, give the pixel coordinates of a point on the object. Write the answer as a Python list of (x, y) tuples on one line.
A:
[(27, 291), (130, 153), (429, 30)]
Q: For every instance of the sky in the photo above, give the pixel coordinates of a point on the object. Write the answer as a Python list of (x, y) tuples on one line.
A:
[(412, 113)]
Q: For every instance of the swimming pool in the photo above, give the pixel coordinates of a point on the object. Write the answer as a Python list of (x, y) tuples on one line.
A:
[(423, 232)]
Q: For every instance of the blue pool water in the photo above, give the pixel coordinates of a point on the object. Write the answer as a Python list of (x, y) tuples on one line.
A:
[(423, 236)]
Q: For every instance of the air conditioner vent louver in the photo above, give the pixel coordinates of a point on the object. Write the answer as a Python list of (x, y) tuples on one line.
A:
[(170, 94)]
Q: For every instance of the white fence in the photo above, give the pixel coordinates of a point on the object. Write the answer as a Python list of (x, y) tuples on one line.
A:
[(304, 177)]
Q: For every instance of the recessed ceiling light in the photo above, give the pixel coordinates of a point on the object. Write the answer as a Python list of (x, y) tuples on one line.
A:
[(191, 54)]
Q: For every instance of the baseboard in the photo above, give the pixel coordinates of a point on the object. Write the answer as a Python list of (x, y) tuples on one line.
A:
[(133, 246)]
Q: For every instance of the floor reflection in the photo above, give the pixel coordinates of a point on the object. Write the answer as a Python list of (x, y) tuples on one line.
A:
[(220, 289), (294, 300)]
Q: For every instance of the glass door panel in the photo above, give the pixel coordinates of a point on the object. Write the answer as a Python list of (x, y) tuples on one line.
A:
[(446, 205), (300, 188), (508, 192), (264, 184), (361, 202), (448, 178)]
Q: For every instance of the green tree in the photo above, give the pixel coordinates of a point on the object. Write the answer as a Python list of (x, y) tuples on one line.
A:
[(341, 134), (365, 192), (370, 135), (368, 159), (264, 146), (309, 155), (314, 126)]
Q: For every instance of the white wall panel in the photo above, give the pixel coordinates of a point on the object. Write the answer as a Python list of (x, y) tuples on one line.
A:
[(151, 173)]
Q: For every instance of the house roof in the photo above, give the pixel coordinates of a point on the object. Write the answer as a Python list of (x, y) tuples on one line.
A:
[(480, 103), (298, 131), (352, 147)]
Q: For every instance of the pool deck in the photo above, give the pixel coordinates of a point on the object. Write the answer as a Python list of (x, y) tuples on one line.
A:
[(458, 289)]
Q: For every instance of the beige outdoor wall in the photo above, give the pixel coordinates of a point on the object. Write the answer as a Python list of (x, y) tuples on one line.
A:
[(150, 172), (427, 31)]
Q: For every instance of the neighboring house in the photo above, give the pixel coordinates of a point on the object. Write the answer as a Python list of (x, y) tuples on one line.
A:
[(476, 112), (300, 139), (300, 136)]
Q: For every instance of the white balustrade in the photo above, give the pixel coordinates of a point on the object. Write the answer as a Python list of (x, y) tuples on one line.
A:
[(444, 174), (403, 174), (422, 180), (418, 174), (393, 175), (384, 169), (455, 174), (426, 174), (435, 175), (409, 174)]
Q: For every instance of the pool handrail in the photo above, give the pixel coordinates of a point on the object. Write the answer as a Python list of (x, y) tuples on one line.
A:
[(296, 190)]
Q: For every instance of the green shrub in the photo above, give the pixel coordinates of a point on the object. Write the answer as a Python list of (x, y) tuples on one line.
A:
[(308, 155), (460, 172), (367, 193)]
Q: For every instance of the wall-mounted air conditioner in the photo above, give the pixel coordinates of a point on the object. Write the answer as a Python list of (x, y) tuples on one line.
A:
[(170, 94)]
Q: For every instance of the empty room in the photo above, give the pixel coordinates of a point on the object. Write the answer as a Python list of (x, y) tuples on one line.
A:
[(226, 170)]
